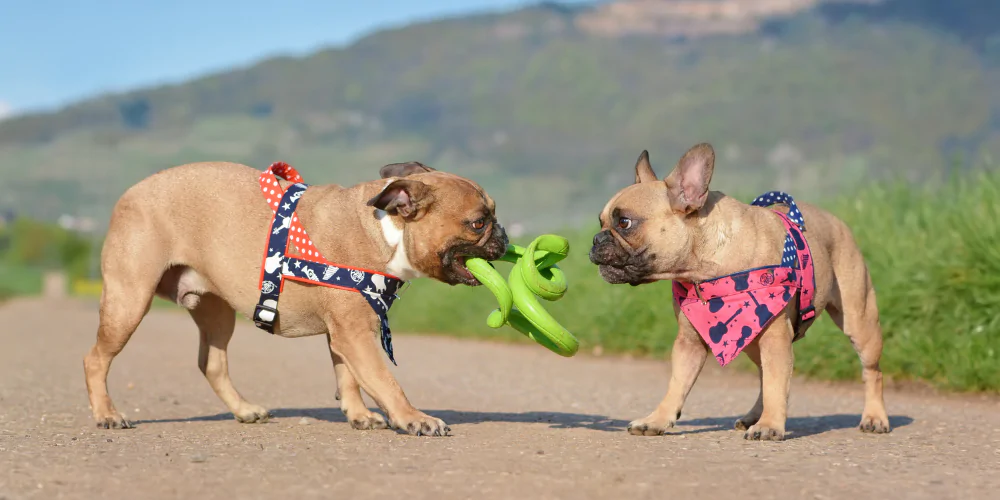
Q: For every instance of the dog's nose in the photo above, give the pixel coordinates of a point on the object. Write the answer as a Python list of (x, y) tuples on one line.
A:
[(602, 237), (501, 234)]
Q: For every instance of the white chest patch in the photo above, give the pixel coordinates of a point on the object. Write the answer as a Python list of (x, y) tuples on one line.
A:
[(399, 265)]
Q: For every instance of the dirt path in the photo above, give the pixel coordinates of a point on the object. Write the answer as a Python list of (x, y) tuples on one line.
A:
[(525, 424)]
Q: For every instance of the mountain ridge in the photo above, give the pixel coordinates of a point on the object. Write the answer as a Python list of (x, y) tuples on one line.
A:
[(548, 114)]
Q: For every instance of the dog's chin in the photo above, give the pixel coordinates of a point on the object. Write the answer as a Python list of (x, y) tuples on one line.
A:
[(620, 276)]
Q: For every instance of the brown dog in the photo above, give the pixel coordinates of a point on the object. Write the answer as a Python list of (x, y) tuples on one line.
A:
[(676, 229), (195, 234)]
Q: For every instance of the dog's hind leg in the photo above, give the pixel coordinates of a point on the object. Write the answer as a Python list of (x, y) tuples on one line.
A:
[(858, 317), (122, 309), (349, 394), (746, 421), (130, 270), (216, 321)]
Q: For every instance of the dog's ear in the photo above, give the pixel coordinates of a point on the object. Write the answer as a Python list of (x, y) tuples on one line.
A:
[(688, 183), (404, 197), (403, 169), (643, 170)]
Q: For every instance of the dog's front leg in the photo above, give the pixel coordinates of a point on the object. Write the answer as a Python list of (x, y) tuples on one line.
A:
[(349, 394), (776, 361), (686, 359), (354, 344)]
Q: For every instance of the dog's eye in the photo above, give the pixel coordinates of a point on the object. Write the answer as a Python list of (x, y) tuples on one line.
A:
[(624, 223), (479, 224)]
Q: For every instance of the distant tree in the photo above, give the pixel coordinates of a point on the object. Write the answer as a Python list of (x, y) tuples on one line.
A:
[(135, 113)]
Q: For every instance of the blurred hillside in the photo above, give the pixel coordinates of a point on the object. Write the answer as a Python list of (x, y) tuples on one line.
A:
[(548, 106)]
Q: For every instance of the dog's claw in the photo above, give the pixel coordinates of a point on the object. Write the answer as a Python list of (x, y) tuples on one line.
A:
[(249, 414), (759, 432), (874, 425), (644, 428), (370, 421), (119, 422), (425, 426)]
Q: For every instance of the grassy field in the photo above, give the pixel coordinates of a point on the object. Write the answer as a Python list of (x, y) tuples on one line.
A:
[(934, 255)]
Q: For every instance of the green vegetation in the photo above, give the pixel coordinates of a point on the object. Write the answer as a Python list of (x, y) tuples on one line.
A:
[(28, 248), (934, 256)]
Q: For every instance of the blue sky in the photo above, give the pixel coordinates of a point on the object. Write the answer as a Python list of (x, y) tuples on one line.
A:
[(53, 52)]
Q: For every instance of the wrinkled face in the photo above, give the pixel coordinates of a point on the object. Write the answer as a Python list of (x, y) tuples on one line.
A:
[(641, 238), (648, 229), (447, 219)]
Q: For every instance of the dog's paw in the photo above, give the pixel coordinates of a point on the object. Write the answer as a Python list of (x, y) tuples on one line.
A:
[(250, 413), (367, 420), (421, 424), (745, 422), (114, 421), (650, 426), (762, 432), (875, 425)]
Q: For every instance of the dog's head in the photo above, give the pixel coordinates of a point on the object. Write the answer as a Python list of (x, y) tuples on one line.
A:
[(648, 230), (445, 219)]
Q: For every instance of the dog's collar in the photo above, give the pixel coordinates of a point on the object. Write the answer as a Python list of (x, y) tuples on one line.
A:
[(721, 306), (379, 289)]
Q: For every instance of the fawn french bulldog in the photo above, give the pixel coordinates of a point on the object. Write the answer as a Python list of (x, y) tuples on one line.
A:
[(747, 278), (193, 234)]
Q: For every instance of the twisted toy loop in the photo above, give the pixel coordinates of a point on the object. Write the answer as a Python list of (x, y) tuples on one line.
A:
[(534, 273)]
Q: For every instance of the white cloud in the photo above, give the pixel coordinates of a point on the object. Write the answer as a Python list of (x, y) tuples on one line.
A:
[(5, 110)]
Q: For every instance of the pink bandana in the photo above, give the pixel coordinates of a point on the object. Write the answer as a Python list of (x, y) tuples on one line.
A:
[(730, 311)]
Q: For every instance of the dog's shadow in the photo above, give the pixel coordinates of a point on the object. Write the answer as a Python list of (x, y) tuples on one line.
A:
[(797, 427), (555, 420)]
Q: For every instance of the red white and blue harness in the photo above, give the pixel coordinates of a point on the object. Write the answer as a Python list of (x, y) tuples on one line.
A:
[(379, 289)]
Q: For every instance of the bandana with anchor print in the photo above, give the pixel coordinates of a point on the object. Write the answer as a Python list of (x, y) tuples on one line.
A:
[(286, 231), (729, 312)]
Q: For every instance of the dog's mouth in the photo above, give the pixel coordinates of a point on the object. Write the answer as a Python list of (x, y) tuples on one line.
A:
[(621, 275), (618, 266), (455, 271), (454, 259)]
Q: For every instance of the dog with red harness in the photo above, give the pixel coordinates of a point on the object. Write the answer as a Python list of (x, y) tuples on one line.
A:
[(221, 238)]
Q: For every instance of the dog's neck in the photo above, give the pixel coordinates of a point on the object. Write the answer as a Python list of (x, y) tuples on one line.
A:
[(732, 237), (383, 244), (393, 233)]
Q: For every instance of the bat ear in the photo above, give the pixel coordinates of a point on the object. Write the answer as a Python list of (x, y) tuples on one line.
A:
[(408, 198), (688, 183)]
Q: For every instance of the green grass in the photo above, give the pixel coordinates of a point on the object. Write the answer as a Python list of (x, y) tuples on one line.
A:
[(934, 256), (19, 280)]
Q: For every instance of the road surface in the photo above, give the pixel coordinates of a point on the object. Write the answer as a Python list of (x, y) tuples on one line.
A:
[(525, 424)]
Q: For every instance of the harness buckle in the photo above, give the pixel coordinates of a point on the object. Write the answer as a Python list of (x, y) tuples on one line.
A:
[(264, 316), (808, 313), (697, 292)]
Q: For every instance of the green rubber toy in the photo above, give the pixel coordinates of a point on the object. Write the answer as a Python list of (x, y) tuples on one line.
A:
[(534, 273)]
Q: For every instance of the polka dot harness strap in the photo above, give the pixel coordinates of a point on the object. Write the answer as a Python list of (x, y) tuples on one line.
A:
[(286, 234), (730, 311), (796, 252)]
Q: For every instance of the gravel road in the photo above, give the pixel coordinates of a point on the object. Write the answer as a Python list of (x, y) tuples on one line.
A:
[(525, 424)]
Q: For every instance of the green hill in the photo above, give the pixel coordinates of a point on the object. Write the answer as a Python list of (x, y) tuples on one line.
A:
[(548, 106)]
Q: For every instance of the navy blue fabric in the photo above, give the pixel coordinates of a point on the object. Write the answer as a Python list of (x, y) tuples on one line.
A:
[(789, 255), (793, 242), (378, 289)]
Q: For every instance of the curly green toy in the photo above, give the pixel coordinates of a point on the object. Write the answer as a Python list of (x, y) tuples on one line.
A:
[(534, 273)]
